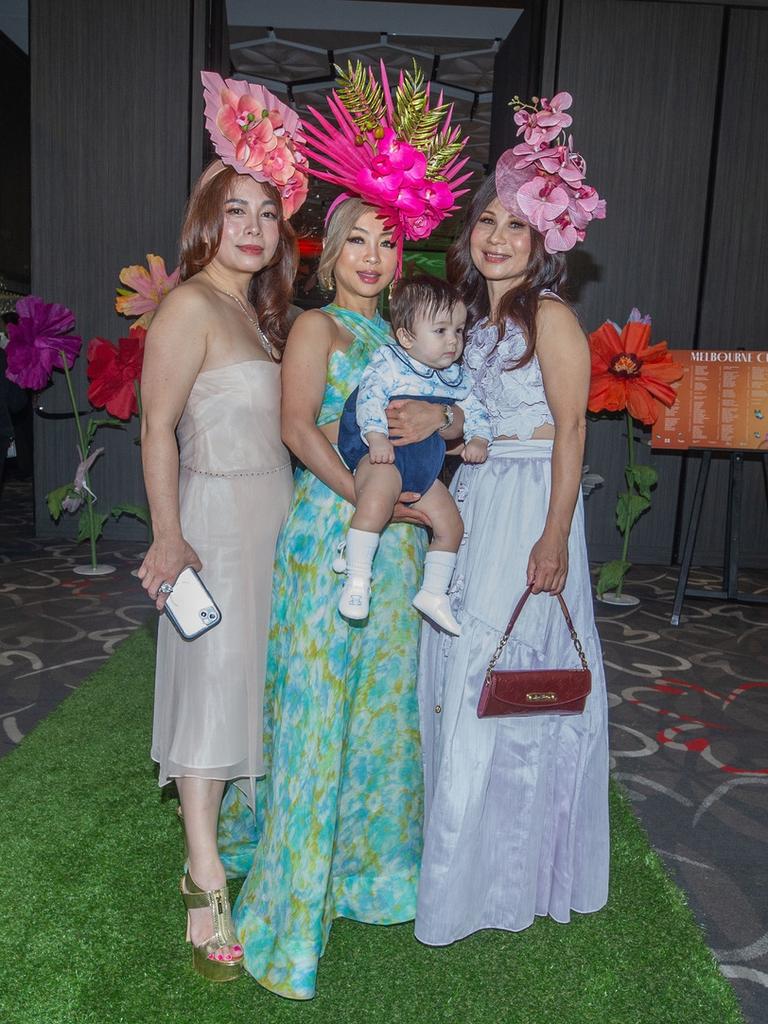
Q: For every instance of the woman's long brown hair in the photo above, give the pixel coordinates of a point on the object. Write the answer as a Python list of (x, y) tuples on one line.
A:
[(271, 289), (521, 303)]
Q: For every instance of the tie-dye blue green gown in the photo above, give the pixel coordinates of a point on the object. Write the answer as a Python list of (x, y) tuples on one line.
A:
[(338, 825)]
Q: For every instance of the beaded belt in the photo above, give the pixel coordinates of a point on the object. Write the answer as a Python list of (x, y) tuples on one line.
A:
[(245, 472)]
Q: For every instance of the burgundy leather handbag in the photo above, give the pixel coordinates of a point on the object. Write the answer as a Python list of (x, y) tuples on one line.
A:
[(560, 691)]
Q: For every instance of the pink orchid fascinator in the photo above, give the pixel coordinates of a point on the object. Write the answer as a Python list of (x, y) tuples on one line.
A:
[(255, 133), (541, 180), (397, 153)]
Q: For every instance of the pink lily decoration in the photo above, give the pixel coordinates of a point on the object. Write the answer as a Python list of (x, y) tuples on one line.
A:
[(80, 485), (145, 291)]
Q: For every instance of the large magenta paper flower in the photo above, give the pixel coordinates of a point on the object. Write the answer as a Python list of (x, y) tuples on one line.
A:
[(146, 289), (37, 341), (113, 371)]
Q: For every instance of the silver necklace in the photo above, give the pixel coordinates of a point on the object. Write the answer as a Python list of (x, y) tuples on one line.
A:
[(266, 344)]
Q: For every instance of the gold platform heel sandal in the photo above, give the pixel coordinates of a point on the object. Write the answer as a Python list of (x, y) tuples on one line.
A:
[(209, 959)]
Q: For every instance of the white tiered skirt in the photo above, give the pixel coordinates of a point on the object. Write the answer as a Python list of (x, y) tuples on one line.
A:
[(516, 808)]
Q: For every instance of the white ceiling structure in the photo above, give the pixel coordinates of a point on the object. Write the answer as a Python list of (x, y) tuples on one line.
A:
[(294, 55)]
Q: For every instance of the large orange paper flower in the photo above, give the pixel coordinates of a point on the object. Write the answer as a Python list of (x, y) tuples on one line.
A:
[(628, 373), (145, 291)]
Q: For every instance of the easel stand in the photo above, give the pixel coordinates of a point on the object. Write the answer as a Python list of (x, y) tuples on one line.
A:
[(730, 591)]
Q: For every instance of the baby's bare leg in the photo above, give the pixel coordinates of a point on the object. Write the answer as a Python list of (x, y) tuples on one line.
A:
[(447, 524), (377, 488)]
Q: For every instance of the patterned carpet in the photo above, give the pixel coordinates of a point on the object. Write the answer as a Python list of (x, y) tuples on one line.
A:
[(689, 713)]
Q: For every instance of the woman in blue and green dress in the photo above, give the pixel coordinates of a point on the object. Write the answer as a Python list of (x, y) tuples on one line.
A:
[(337, 828)]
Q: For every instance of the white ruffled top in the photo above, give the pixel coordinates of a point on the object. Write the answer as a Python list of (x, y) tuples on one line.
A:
[(514, 398)]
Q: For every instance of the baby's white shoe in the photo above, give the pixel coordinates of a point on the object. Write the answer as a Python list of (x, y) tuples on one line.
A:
[(355, 597), (437, 608)]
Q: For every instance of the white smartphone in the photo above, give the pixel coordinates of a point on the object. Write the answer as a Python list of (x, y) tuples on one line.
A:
[(190, 607)]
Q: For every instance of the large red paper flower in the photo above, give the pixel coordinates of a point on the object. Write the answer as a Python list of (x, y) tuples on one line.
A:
[(628, 373), (36, 343), (113, 371)]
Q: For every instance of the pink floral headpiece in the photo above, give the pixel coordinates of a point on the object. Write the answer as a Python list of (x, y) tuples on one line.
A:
[(397, 154), (252, 131), (541, 179)]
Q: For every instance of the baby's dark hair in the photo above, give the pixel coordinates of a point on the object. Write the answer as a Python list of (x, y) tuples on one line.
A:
[(420, 295)]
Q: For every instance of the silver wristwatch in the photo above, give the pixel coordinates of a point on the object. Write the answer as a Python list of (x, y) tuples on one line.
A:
[(448, 413)]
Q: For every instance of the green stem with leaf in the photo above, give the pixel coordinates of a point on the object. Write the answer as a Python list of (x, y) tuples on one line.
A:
[(137, 391), (631, 504), (82, 446)]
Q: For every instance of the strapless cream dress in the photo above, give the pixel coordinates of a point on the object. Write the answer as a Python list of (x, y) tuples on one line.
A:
[(235, 487)]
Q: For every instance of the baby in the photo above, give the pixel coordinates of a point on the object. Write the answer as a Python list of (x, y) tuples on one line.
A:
[(427, 318)]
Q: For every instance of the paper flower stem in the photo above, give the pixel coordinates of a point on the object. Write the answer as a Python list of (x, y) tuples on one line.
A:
[(631, 464), (83, 449), (137, 389)]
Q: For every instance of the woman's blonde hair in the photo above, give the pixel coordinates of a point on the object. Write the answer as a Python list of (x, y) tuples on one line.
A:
[(336, 233)]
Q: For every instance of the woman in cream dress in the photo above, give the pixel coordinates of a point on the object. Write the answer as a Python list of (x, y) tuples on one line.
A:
[(211, 380)]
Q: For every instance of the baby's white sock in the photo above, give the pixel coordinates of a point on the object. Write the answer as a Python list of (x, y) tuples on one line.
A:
[(361, 547), (438, 569)]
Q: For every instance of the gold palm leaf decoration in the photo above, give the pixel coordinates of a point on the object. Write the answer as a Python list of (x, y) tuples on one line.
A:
[(361, 94), (413, 122), (441, 150)]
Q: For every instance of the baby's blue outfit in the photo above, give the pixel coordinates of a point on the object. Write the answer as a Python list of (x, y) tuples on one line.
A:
[(392, 374)]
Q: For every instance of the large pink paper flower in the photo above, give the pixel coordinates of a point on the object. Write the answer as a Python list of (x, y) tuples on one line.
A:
[(38, 342), (145, 291), (254, 132)]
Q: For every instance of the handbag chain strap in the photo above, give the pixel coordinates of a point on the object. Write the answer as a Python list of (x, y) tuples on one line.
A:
[(510, 626)]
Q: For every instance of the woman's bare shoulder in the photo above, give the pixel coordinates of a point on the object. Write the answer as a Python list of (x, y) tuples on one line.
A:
[(190, 301), (555, 315), (314, 326)]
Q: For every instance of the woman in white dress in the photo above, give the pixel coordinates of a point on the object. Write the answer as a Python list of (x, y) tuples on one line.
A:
[(516, 817)]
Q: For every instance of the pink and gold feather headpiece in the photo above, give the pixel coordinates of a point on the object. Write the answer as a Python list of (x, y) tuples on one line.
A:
[(254, 132), (396, 153)]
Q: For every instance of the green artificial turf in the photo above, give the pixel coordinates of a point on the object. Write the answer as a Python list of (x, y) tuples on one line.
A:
[(93, 925)]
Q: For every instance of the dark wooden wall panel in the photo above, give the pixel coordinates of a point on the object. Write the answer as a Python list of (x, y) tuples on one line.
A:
[(14, 164), (110, 174), (517, 71), (644, 81), (734, 312)]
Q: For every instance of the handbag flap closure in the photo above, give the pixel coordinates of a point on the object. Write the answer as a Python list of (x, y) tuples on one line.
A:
[(541, 688)]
